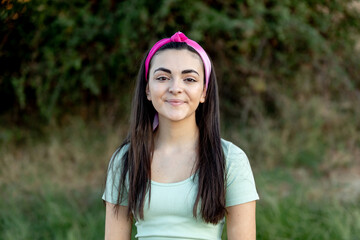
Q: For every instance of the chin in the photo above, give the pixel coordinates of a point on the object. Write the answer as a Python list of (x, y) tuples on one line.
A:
[(177, 119)]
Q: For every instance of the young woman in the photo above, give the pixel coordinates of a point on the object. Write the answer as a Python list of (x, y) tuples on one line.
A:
[(173, 174)]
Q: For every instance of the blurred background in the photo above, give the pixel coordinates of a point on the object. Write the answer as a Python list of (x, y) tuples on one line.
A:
[(289, 81)]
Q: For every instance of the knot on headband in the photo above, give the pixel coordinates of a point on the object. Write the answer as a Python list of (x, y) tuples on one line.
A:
[(178, 37)]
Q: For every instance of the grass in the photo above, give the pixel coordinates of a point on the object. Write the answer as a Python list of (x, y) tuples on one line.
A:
[(303, 209), (294, 218), (51, 188), (53, 214)]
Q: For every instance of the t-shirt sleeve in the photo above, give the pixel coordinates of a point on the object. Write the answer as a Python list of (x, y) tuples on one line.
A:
[(111, 191), (240, 183)]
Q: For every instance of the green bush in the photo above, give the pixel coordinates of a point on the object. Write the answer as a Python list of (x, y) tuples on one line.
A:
[(57, 54)]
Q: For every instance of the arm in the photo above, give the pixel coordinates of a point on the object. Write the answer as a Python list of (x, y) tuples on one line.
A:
[(241, 222), (117, 227)]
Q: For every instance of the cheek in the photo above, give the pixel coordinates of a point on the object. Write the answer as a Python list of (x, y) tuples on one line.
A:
[(198, 93), (155, 92)]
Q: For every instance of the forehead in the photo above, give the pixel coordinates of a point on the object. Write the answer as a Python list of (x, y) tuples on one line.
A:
[(179, 59)]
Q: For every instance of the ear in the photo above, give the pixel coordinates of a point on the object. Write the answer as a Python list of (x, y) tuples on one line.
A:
[(203, 96), (148, 92)]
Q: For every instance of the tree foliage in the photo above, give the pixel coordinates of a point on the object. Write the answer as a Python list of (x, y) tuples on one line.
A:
[(56, 55)]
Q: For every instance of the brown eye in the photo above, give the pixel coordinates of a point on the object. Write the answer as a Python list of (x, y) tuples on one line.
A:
[(190, 79), (161, 78)]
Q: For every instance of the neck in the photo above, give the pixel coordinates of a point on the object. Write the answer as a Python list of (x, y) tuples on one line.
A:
[(179, 134)]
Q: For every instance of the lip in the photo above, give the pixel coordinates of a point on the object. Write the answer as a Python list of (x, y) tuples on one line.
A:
[(175, 102)]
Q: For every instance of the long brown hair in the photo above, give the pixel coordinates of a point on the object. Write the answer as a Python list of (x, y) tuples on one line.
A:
[(136, 162)]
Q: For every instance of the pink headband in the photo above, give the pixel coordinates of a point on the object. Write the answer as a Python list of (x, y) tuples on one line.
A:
[(180, 37)]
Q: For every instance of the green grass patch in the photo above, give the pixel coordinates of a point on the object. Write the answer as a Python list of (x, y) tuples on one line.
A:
[(51, 187), (52, 213), (295, 205), (296, 218)]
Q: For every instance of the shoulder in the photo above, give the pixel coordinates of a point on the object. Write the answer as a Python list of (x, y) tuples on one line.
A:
[(120, 151), (235, 157), (118, 155), (240, 182), (231, 150)]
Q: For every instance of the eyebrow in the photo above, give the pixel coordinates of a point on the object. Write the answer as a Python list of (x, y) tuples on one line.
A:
[(162, 69), (183, 72), (190, 71)]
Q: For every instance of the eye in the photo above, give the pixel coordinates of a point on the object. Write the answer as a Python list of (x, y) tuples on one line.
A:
[(189, 79), (161, 78)]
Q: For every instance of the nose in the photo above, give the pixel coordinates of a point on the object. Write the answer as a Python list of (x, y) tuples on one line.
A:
[(175, 86)]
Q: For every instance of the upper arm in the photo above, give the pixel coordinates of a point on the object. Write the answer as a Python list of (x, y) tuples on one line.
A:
[(240, 182), (117, 227), (241, 221)]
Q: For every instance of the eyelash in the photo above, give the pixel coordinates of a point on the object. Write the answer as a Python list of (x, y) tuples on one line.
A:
[(162, 78), (186, 79), (190, 79)]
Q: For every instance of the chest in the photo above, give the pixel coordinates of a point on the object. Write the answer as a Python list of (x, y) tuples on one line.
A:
[(172, 167), (169, 213)]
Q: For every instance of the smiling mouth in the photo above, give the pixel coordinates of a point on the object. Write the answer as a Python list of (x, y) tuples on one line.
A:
[(175, 102)]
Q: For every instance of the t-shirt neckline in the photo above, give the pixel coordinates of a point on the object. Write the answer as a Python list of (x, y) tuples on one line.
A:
[(174, 183)]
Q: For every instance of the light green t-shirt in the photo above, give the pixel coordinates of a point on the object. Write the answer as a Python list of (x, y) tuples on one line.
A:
[(170, 213)]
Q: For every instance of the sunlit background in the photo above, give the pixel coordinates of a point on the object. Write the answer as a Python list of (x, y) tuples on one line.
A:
[(289, 81)]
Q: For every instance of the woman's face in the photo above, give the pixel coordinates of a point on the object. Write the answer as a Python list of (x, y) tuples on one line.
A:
[(176, 84)]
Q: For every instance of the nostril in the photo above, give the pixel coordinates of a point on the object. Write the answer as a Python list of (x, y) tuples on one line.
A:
[(175, 90)]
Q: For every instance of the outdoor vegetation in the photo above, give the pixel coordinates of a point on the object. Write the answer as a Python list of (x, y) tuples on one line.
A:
[(289, 81)]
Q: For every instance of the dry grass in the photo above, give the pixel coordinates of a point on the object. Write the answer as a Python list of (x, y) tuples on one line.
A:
[(72, 157)]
